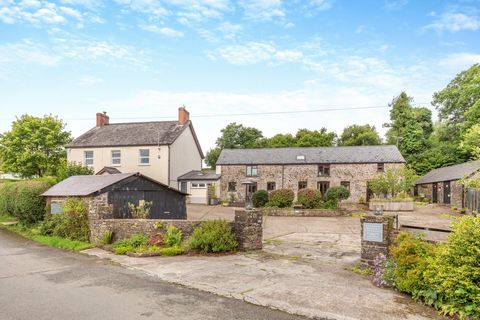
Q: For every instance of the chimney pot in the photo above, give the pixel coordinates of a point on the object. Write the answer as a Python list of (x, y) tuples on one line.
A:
[(102, 119), (183, 116)]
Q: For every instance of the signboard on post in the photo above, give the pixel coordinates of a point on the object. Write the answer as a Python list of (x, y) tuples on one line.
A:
[(373, 232)]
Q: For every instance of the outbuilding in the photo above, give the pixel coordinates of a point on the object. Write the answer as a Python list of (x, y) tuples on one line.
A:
[(443, 185), (109, 196), (201, 185)]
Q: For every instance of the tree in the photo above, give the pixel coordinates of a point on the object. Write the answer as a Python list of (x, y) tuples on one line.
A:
[(34, 146), (66, 170), (393, 181), (358, 135), (280, 141), (471, 142), (315, 138), (212, 156)]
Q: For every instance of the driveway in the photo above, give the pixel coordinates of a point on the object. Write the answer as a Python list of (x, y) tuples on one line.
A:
[(38, 282)]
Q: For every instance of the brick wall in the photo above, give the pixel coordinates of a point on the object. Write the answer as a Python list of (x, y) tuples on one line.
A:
[(288, 176)]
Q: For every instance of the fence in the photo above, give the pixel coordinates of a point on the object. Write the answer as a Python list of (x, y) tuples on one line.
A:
[(473, 200)]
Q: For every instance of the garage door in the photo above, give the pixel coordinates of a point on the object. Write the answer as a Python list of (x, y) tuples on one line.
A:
[(198, 193)]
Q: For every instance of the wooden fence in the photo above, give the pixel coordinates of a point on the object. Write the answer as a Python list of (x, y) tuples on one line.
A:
[(473, 200)]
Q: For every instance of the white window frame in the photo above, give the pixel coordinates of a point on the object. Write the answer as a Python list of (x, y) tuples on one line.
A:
[(140, 157), (119, 158), (86, 159), (198, 185), (250, 169)]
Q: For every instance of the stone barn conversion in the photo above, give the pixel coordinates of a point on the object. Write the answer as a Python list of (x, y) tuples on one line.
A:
[(108, 196), (244, 171), (442, 185)]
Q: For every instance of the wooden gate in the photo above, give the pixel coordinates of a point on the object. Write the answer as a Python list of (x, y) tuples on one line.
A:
[(446, 192)]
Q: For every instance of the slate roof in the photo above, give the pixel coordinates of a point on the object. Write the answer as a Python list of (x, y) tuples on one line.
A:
[(450, 173), (199, 175), (109, 170), (356, 154), (81, 186)]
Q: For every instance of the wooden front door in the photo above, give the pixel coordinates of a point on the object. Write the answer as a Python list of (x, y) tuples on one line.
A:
[(446, 192), (434, 193)]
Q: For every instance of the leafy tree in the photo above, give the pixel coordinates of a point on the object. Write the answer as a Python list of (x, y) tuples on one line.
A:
[(358, 135), (393, 181), (34, 146), (280, 141), (471, 141), (315, 138), (66, 170), (212, 156)]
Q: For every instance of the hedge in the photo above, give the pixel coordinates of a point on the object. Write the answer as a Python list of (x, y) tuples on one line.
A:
[(281, 198), (310, 198)]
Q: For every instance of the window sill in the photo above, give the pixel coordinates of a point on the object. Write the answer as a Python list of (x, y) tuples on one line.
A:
[(144, 164)]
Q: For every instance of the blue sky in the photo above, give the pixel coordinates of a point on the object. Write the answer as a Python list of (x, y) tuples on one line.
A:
[(142, 59)]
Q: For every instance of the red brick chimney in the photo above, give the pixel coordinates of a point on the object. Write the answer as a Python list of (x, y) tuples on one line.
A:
[(183, 116), (102, 119)]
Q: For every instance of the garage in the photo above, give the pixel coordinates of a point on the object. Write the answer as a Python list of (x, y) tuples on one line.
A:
[(200, 186)]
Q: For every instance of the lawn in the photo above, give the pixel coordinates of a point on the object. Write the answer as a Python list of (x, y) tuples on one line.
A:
[(32, 233)]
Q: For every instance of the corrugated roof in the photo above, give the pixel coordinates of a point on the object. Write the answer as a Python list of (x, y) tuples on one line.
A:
[(130, 134), (354, 154), (199, 175), (450, 173)]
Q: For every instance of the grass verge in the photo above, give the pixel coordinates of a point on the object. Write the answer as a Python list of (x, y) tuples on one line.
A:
[(51, 241)]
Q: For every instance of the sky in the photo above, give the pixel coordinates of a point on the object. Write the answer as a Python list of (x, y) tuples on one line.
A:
[(139, 60)]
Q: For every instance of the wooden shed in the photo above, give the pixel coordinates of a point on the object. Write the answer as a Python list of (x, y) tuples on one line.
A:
[(113, 193)]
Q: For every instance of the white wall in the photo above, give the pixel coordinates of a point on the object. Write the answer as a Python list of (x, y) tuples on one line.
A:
[(184, 157), (102, 157)]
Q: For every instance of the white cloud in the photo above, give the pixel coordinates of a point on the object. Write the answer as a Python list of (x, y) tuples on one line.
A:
[(459, 61), (169, 32), (393, 5), (454, 22), (37, 13), (153, 8), (89, 80), (263, 10), (27, 52)]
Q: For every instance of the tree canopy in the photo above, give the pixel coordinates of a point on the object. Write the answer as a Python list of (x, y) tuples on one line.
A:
[(34, 146), (358, 135)]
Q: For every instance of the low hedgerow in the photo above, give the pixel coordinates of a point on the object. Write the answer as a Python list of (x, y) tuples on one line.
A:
[(309, 198), (281, 198), (173, 236), (171, 251), (260, 198), (8, 192), (29, 205), (213, 236)]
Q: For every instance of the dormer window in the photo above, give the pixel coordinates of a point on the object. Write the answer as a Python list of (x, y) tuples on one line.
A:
[(301, 157)]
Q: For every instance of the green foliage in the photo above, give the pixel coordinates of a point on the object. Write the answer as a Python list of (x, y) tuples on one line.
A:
[(281, 198), (66, 170), (471, 142), (107, 237), (173, 236), (71, 224), (142, 211), (135, 241), (315, 138), (8, 193), (212, 156), (213, 236), (334, 195), (171, 251), (260, 198), (393, 181), (34, 146), (358, 135), (29, 205), (310, 198), (121, 250)]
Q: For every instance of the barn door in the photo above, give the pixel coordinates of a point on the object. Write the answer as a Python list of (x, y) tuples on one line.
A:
[(446, 192), (434, 193)]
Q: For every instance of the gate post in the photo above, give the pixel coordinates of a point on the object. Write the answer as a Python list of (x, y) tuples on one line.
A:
[(377, 236)]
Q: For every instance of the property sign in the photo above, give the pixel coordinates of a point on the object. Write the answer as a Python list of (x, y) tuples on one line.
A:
[(373, 232)]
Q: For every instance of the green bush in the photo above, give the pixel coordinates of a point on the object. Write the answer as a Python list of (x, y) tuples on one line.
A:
[(124, 249), (213, 236), (8, 194), (334, 195), (260, 198), (173, 236), (107, 237), (67, 170), (135, 241), (29, 206), (310, 198), (71, 224), (281, 198), (171, 251)]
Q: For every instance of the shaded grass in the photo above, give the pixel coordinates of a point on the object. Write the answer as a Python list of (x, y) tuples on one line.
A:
[(6, 218), (32, 233)]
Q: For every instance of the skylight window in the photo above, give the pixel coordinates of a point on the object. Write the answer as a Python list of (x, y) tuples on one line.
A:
[(300, 157)]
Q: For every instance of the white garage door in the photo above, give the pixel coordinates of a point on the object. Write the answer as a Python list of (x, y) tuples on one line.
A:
[(198, 193)]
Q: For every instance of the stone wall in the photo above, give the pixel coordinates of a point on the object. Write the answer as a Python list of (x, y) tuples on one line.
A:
[(391, 205), (289, 212), (288, 176), (457, 195), (371, 249), (247, 228)]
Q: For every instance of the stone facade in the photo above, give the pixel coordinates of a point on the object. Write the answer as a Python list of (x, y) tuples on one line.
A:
[(288, 177), (371, 249), (457, 193)]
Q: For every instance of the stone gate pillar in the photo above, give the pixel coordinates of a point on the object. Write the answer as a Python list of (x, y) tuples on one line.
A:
[(377, 236)]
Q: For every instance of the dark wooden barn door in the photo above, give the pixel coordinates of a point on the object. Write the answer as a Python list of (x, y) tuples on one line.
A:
[(434, 193), (446, 192)]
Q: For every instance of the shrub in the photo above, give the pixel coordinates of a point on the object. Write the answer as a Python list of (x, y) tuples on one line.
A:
[(281, 198), (124, 249), (260, 198), (156, 239), (107, 237), (29, 205), (213, 236), (310, 198), (171, 251), (173, 236), (67, 170), (135, 241), (335, 194), (8, 192), (142, 211)]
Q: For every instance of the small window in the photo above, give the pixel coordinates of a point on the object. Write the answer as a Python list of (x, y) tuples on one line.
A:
[(270, 186), (116, 157), (88, 158), (323, 186), (345, 184), (302, 185), (144, 156), (380, 167), (300, 157), (183, 186), (252, 171), (56, 208), (198, 185), (324, 170), (232, 186)]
